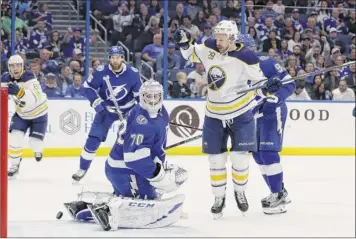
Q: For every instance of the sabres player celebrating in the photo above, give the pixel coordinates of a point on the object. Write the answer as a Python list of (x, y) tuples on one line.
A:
[(31, 112), (230, 66), (270, 131), (138, 171), (125, 81)]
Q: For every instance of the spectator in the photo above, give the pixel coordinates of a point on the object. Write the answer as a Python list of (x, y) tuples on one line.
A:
[(332, 81), (147, 35), (319, 65), (351, 78), (229, 10), (207, 33), (271, 42), (50, 87), (296, 40), (207, 7), (309, 68), (76, 67), (217, 14), (179, 13), (6, 23), (334, 40), (180, 88), (35, 67), (200, 20), (192, 9), (154, 8), (300, 93), (48, 65), (313, 88), (44, 15), (351, 23), (188, 26), (76, 90), (39, 37), (173, 62), (283, 51), (54, 45), (335, 53), (212, 20), (199, 78), (151, 52), (322, 94), (64, 79), (343, 93), (71, 40), (121, 21), (268, 11), (278, 7), (95, 63)]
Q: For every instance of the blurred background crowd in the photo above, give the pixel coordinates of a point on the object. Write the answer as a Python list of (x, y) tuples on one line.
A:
[(304, 36)]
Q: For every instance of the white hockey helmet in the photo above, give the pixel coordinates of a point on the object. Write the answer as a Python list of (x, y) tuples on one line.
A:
[(151, 97), (15, 60), (229, 28)]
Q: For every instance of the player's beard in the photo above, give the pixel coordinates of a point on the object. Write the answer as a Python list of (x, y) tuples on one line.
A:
[(116, 68)]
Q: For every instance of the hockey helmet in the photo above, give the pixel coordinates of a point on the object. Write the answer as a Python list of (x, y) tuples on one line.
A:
[(151, 97), (229, 28), (13, 61), (116, 51)]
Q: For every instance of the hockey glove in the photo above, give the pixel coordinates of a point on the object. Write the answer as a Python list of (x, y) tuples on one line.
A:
[(270, 105), (273, 85), (165, 180), (182, 38), (15, 89), (98, 105)]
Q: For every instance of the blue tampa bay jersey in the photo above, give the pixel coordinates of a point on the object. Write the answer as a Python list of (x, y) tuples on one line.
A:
[(271, 68), (126, 86), (144, 140)]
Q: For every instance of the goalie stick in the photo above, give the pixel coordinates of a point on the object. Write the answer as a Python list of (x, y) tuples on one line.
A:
[(293, 78)]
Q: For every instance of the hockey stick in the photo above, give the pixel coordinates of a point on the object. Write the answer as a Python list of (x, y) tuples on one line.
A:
[(118, 111), (294, 78), (199, 129), (184, 141)]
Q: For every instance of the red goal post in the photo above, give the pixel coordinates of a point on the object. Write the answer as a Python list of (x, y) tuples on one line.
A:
[(3, 159)]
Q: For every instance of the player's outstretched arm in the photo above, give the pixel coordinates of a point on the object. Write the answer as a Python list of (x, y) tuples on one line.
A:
[(184, 40)]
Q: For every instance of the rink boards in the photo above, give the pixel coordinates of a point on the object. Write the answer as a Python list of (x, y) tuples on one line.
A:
[(312, 128)]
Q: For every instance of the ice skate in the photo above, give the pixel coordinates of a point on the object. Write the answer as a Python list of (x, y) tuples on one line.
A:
[(101, 214), (218, 207), (79, 175), (274, 204), (38, 156), (241, 201), (14, 170), (285, 196)]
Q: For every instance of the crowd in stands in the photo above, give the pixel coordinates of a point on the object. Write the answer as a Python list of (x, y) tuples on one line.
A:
[(304, 36)]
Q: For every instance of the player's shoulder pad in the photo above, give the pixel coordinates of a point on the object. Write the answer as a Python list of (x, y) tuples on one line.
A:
[(27, 76), (5, 77), (264, 58), (130, 68), (211, 43), (245, 55)]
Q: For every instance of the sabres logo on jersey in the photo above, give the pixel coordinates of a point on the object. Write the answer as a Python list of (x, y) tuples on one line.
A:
[(216, 78)]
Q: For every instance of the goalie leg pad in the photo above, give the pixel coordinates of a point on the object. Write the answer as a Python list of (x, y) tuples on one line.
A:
[(240, 169), (16, 140), (218, 173), (138, 213)]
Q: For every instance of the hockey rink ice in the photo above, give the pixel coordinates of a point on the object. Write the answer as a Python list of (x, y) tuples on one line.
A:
[(322, 190)]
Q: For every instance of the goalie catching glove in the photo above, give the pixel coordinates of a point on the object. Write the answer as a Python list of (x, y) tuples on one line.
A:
[(168, 179)]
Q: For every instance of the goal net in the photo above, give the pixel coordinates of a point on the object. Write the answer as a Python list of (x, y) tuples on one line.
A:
[(3, 159)]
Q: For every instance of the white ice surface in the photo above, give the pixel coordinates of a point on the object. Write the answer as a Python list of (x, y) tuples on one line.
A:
[(322, 190)]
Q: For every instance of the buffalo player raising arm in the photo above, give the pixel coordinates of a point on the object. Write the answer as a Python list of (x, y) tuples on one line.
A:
[(270, 129), (125, 81), (30, 112), (138, 172), (230, 66)]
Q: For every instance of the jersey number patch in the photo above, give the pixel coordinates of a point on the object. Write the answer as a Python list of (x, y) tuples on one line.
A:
[(137, 139)]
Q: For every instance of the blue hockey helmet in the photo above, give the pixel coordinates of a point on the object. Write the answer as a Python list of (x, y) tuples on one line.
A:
[(248, 41), (116, 51)]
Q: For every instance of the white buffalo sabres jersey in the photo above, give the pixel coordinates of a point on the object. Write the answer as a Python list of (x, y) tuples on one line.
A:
[(236, 70), (34, 103)]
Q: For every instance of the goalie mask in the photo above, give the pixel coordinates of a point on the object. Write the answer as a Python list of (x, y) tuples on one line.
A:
[(151, 97), (16, 66)]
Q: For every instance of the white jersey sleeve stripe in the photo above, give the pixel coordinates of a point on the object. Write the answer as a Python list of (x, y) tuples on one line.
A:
[(137, 155)]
